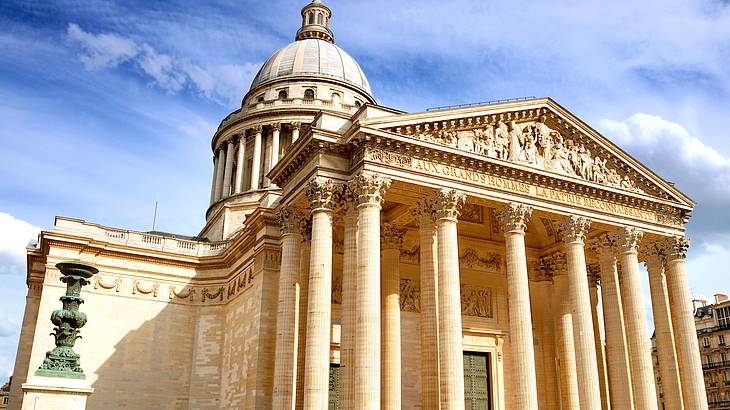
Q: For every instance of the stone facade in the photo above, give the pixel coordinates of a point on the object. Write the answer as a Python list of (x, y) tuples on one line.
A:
[(429, 259)]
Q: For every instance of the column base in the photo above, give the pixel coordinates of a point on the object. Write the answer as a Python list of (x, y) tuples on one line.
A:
[(54, 393)]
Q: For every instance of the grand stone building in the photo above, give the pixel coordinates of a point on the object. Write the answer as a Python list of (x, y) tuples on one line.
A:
[(360, 257)]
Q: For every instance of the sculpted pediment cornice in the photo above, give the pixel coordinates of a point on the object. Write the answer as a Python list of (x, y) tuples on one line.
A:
[(535, 134)]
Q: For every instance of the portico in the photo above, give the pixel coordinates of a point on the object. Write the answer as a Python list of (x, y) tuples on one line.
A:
[(467, 248)]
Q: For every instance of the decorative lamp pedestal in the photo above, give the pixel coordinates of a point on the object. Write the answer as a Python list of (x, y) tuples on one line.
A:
[(55, 393)]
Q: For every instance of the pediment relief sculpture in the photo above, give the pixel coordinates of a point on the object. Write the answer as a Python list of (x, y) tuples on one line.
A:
[(532, 143)]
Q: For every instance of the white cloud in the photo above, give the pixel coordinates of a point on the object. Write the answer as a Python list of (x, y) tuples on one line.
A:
[(222, 83), (15, 234), (102, 50), (8, 325)]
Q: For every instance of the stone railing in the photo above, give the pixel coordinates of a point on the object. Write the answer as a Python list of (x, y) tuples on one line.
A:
[(300, 101), (144, 240)]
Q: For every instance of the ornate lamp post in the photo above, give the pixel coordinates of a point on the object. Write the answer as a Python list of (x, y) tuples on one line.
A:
[(62, 361)]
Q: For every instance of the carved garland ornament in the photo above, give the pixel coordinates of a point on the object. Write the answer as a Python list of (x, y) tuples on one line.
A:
[(531, 143), (99, 283), (152, 289)]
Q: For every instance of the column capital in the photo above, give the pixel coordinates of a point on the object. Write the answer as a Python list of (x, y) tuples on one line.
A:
[(594, 274), (295, 125), (603, 243), (290, 219), (676, 248), (574, 229), (513, 217), (544, 268), (276, 126), (448, 203), (391, 236), (320, 192), (652, 253), (368, 188), (627, 239), (423, 212), (258, 129), (232, 140)]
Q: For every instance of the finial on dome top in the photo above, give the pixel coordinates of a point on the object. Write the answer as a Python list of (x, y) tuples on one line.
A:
[(315, 22)]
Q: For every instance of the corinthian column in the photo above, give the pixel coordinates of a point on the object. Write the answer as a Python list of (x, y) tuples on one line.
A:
[(256, 167), (368, 191), (303, 289), (215, 177), (295, 127), (319, 316), (594, 278), (348, 317), (663, 328), (448, 206), (229, 169), (574, 232), (219, 164), (513, 218), (685, 333), (275, 137), (544, 317), (392, 241), (429, 305), (642, 372), (240, 163), (617, 360), (569, 396), (285, 362)]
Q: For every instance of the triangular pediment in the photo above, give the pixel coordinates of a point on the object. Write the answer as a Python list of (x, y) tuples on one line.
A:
[(538, 134)]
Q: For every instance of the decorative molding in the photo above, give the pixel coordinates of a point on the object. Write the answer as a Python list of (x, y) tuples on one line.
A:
[(189, 295), (491, 261), (513, 217), (219, 294), (100, 283), (137, 287), (472, 213), (387, 157)]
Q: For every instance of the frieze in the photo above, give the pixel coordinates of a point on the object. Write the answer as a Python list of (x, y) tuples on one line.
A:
[(185, 293), (508, 137), (410, 296), (138, 287), (100, 283), (476, 301), (567, 197), (491, 261)]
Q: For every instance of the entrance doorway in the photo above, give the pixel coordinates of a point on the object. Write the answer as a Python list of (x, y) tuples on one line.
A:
[(477, 383)]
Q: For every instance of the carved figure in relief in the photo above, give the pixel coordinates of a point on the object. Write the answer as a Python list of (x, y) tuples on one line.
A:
[(515, 142), (501, 137)]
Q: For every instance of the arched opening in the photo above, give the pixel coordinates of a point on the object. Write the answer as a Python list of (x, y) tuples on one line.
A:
[(336, 99), (283, 95), (320, 19), (309, 94), (311, 18), (358, 104), (260, 99)]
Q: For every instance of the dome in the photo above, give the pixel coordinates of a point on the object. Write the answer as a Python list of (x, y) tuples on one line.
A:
[(312, 57)]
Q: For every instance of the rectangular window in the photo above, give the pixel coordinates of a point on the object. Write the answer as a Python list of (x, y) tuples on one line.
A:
[(334, 389), (721, 340), (706, 341), (477, 381), (723, 316)]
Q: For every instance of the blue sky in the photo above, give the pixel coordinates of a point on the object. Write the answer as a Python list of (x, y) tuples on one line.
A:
[(107, 107)]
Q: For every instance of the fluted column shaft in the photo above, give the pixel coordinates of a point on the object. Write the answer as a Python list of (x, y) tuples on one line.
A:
[(392, 240), (295, 131), (617, 360), (319, 316), (303, 288), (215, 176), (348, 320), (230, 147), (685, 333), (666, 351), (544, 288), (574, 230), (429, 307), (285, 359), (569, 395), (513, 218), (368, 191), (275, 138), (256, 167), (637, 335), (451, 355), (238, 188), (600, 353), (220, 164)]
